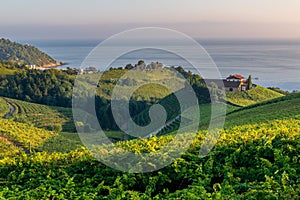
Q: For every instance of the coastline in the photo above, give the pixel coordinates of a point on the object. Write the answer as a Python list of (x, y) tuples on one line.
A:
[(52, 66)]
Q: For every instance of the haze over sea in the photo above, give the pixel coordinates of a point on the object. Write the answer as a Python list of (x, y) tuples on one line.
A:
[(272, 63)]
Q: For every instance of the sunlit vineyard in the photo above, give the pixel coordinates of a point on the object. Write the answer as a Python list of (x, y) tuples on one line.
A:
[(258, 161), (17, 138)]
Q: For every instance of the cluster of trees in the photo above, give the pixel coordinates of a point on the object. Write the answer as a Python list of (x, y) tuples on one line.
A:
[(23, 54), (142, 65), (50, 87)]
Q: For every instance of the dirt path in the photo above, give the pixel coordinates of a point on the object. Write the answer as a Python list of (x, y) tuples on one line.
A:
[(12, 110)]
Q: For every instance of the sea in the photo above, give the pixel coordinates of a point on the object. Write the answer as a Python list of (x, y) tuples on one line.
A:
[(271, 63)]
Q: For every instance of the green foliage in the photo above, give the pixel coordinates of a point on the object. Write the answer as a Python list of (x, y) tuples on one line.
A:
[(287, 107), (146, 95), (249, 162), (255, 95), (4, 108), (50, 87), (249, 83), (23, 54), (7, 68), (277, 89), (20, 137)]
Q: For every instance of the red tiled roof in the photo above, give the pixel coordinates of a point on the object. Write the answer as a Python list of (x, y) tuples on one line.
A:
[(235, 76)]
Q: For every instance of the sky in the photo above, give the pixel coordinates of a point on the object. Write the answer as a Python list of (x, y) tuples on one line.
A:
[(94, 19)]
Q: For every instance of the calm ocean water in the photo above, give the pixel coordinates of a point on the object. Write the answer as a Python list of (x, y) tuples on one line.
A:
[(272, 63)]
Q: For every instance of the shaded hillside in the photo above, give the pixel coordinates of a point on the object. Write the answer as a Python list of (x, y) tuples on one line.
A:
[(24, 54)]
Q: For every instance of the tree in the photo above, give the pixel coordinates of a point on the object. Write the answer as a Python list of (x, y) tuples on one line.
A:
[(249, 81), (213, 88), (129, 66)]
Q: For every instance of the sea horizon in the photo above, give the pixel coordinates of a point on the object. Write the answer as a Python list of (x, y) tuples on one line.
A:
[(271, 62)]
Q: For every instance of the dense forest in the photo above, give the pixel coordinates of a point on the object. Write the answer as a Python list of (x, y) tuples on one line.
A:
[(24, 54), (49, 87)]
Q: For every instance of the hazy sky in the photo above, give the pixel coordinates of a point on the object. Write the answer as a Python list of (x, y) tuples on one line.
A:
[(38, 19)]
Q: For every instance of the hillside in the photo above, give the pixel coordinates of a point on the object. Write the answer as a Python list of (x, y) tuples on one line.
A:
[(287, 107), (256, 157), (42, 116), (24, 54), (255, 95)]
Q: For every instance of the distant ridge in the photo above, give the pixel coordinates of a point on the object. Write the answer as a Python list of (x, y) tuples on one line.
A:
[(25, 54)]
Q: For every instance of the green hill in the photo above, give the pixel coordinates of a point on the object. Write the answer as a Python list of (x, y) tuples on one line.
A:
[(255, 95), (287, 107), (24, 54)]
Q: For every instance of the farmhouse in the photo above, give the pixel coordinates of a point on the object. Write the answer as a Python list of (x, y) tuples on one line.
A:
[(233, 83)]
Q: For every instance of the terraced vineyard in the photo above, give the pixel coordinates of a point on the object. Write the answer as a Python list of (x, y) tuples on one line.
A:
[(41, 116)]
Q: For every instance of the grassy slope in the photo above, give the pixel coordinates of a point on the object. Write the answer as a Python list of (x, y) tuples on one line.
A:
[(253, 96), (110, 78), (286, 107), (282, 108)]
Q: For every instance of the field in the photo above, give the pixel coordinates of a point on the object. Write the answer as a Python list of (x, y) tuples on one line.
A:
[(256, 95)]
